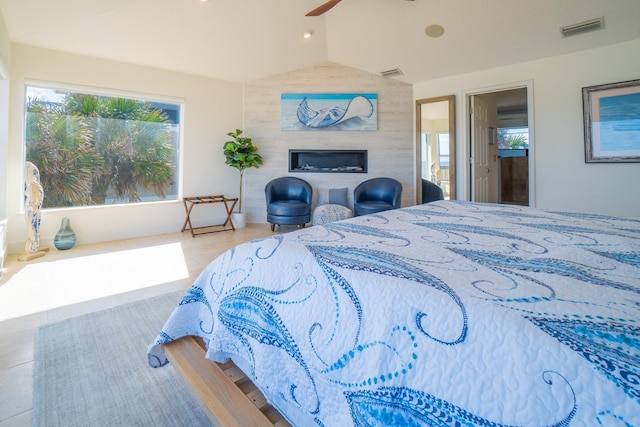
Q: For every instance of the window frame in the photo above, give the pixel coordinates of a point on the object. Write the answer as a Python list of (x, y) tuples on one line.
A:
[(116, 93)]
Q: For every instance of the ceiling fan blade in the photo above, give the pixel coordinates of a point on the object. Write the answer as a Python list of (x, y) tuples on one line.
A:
[(323, 8)]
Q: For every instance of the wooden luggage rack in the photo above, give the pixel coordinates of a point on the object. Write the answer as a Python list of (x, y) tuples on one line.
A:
[(190, 202)]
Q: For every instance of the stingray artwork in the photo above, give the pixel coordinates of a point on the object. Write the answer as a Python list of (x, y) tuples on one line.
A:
[(329, 112)]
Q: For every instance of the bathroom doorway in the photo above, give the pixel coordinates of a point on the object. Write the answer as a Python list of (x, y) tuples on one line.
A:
[(500, 146)]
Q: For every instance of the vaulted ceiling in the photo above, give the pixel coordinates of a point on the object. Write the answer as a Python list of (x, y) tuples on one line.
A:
[(245, 40)]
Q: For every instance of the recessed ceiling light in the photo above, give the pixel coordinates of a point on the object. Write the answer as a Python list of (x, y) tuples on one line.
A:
[(434, 30), (307, 34)]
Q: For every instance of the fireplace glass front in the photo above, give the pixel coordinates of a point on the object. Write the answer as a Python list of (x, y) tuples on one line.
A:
[(335, 161)]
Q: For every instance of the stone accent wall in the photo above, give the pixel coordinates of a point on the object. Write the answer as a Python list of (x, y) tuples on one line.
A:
[(390, 147)]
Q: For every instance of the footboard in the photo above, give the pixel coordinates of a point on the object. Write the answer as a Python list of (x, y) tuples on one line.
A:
[(224, 392)]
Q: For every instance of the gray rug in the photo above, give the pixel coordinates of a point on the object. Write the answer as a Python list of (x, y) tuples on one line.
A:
[(92, 370)]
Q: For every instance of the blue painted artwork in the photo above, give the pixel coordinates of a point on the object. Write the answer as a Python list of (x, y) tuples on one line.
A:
[(618, 130), (329, 111)]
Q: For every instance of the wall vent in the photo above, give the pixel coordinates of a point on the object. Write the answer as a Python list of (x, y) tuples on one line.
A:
[(583, 27), (391, 73)]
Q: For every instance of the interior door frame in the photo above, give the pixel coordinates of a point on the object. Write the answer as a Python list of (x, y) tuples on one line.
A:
[(467, 147)]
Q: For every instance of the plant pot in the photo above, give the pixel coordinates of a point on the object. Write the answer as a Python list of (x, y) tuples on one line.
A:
[(239, 219)]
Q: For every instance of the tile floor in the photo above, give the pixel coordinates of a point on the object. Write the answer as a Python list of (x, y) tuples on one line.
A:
[(87, 278)]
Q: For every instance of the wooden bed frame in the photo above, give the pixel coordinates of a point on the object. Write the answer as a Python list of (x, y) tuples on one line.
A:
[(225, 393)]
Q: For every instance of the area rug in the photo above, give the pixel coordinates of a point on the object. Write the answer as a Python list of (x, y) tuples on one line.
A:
[(92, 370)]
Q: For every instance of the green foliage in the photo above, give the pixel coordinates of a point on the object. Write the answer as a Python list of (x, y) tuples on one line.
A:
[(241, 154), (516, 141), (61, 148), (511, 140), (89, 147)]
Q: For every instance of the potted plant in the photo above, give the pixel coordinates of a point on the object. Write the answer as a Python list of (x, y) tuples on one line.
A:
[(241, 154)]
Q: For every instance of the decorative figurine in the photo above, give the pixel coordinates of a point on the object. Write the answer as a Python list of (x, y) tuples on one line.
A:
[(33, 197)]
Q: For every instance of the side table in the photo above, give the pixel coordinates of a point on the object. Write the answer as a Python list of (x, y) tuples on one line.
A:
[(190, 202)]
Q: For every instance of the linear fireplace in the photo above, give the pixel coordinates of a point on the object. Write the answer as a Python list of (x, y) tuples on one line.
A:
[(335, 161)]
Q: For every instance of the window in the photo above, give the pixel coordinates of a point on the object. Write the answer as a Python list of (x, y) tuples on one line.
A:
[(443, 149), (93, 149), (425, 156), (513, 138), (442, 173)]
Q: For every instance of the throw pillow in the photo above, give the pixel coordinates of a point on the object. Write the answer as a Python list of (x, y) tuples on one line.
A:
[(333, 196)]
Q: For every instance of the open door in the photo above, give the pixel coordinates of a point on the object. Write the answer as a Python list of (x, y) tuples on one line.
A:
[(499, 146), (484, 170)]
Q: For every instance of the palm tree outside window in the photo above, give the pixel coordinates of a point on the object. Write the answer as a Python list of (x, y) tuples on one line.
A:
[(94, 149)]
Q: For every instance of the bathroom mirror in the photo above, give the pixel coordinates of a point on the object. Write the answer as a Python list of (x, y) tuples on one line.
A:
[(436, 146)]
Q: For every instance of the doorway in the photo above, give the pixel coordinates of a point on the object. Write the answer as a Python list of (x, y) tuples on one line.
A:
[(500, 143)]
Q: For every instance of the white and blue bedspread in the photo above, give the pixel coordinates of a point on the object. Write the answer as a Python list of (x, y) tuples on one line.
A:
[(449, 313)]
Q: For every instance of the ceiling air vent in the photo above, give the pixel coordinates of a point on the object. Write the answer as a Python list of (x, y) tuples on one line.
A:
[(391, 73), (583, 27)]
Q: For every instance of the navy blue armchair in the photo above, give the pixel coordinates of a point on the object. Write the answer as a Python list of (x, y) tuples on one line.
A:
[(288, 201), (431, 192), (376, 195)]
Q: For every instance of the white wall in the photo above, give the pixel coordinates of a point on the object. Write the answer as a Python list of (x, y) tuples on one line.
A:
[(563, 180), (5, 49), (212, 108), (4, 152), (5, 62)]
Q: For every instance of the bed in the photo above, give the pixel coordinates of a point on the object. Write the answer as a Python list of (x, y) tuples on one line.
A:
[(448, 313)]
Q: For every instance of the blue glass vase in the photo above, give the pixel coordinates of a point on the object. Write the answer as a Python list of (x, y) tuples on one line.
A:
[(65, 237)]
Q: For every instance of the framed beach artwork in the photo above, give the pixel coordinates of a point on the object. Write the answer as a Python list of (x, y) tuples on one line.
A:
[(612, 122), (329, 111)]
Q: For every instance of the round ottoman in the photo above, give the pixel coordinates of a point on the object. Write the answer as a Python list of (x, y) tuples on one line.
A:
[(323, 214)]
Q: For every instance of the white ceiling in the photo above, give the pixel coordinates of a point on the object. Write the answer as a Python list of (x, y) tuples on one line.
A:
[(245, 40)]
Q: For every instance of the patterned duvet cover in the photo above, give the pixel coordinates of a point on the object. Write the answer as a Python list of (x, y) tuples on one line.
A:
[(448, 313)]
